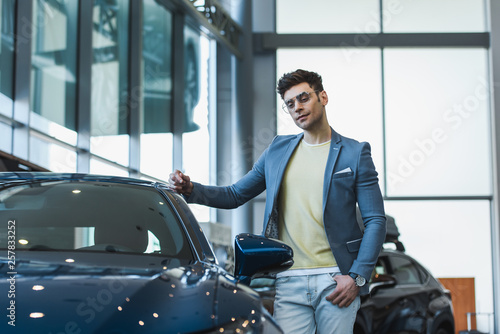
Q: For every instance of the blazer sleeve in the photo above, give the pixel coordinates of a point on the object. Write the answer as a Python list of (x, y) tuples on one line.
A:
[(371, 205), (235, 195)]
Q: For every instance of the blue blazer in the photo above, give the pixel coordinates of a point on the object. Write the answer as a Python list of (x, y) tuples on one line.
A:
[(350, 178)]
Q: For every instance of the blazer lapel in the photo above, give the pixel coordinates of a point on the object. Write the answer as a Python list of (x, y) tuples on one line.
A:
[(271, 229), (335, 147), (292, 145)]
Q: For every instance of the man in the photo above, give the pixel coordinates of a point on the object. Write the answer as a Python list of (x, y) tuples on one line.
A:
[(313, 182)]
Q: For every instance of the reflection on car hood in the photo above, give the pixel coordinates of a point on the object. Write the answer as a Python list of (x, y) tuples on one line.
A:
[(88, 296)]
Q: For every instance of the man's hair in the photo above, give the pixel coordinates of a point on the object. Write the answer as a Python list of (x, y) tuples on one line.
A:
[(288, 80)]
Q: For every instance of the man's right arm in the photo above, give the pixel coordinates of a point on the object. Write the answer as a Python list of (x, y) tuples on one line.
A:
[(223, 197)]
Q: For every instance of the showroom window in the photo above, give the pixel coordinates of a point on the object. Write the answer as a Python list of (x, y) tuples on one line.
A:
[(7, 55), (196, 134), (440, 16), (434, 100), (109, 109), (101, 166), (363, 16), (333, 16), (156, 132), (53, 84), (6, 133), (51, 155), (53, 65), (6, 72)]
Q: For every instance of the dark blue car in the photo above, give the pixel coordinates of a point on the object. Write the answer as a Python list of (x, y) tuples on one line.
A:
[(94, 254)]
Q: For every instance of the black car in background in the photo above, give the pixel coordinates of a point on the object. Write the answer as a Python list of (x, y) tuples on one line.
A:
[(96, 254), (404, 297)]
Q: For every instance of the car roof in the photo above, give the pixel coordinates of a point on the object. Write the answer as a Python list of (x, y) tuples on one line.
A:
[(49, 176)]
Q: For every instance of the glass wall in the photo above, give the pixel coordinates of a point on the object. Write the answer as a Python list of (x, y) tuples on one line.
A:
[(6, 72), (105, 168), (53, 85), (363, 16), (93, 40), (437, 110), (52, 156), (333, 16), (156, 131), (440, 16), (109, 109), (6, 55), (196, 136), (53, 69), (6, 135)]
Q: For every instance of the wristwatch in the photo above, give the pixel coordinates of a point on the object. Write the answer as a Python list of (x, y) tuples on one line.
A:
[(358, 279)]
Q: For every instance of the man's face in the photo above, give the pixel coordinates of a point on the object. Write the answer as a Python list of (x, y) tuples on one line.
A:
[(308, 114)]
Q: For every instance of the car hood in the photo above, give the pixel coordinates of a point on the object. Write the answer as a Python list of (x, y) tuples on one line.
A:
[(114, 293)]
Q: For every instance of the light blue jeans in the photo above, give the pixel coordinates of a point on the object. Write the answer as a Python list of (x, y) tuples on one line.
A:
[(300, 306)]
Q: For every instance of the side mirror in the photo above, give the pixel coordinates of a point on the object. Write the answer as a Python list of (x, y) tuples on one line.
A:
[(380, 281), (255, 254)]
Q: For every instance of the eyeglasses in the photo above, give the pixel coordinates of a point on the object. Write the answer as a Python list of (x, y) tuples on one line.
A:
[(303, 98)]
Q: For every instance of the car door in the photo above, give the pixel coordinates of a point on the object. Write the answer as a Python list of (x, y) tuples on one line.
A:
[(401, 308)]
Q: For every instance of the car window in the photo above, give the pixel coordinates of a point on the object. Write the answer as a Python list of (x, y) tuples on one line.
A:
[(404, 270), (381, 268), (92, 216), (424, 274)]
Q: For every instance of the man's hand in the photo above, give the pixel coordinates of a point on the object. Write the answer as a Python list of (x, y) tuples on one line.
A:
[(345, 292), (180, 183)]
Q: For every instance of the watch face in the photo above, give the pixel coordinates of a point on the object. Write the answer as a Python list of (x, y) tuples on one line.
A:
[(360, 280)]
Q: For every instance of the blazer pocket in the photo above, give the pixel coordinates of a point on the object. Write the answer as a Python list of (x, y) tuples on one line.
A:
[(342, 175), (353, 245)]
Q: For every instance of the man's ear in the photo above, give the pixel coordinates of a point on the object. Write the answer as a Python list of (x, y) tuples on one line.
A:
[(323, 97)]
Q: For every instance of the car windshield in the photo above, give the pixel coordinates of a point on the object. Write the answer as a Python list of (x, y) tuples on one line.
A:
[(92, 217)]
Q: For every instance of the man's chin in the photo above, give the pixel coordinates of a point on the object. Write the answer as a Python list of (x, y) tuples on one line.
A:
[(304, 124)]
